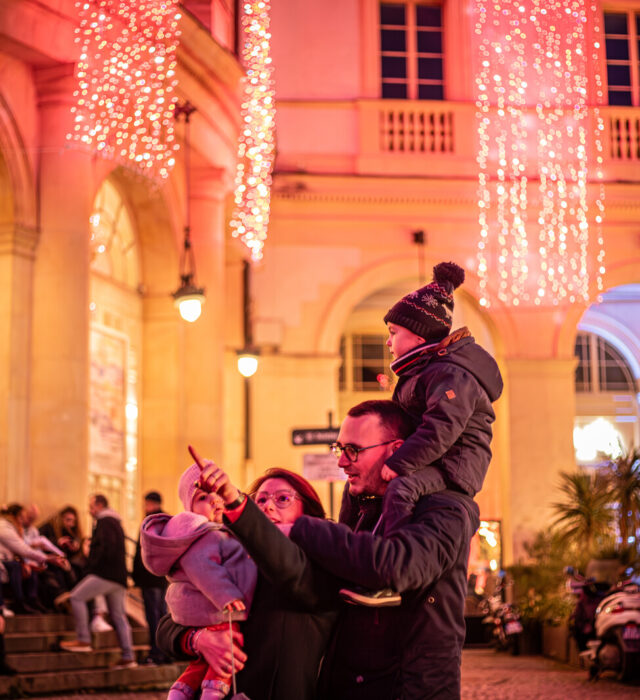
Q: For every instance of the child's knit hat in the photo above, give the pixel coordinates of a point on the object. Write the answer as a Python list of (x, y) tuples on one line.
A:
[(188, 485), (428, 311)]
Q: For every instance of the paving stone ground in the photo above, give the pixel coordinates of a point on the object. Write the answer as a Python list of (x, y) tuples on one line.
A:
[(487, 675)]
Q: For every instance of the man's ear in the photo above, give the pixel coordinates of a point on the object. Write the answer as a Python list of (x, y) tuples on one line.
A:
[(396, 443)]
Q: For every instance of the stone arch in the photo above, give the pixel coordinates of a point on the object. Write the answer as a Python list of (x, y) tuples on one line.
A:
[(384, 273), (18, 205), (155, 214), (615, 333), (616, 276)]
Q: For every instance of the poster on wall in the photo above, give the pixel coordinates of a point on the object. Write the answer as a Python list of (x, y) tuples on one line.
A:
[(108, 354)]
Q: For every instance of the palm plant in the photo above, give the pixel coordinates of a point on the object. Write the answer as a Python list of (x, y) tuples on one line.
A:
[(584, 519), (624, 479)]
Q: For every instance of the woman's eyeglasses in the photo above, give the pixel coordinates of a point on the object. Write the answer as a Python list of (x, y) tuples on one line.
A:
[(281, 499), (351, 451)]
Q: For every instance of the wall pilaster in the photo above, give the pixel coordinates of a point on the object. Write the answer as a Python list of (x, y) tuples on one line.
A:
[(17, 251), (59, 382), (541, 406)]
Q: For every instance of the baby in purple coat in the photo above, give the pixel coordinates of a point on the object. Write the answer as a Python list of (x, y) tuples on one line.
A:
[(211, 576)]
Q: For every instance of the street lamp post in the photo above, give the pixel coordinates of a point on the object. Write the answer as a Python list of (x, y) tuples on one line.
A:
[(248, 356)]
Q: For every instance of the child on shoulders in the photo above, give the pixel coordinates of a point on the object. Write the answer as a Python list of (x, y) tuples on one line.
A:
[(446, 383)]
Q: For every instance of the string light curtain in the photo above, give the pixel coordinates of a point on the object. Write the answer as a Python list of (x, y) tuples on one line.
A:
[(539, 152), (126, 77), (250, 219)]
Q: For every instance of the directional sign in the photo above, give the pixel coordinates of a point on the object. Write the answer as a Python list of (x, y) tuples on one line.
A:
[(321, 467), (314, 436)]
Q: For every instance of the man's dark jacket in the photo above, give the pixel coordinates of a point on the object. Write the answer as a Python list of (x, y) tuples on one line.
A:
[(448, 390), (107, 554), (411, 652)]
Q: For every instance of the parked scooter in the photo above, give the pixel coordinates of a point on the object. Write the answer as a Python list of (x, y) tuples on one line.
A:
[(615, 645), (503, 619), (589, 594)]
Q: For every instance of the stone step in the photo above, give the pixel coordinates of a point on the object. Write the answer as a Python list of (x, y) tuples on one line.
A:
[(42, 662), (16, 642), (38, 623), (140, 678)]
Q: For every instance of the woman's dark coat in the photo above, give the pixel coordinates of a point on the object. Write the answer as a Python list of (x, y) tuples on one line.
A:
[(289, 623)]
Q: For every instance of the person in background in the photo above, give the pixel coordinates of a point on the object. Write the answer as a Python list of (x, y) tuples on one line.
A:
[(107, 576), (153, 588), (14, 554), (48, 579), (4, 578), (65, 531), (5, 669)]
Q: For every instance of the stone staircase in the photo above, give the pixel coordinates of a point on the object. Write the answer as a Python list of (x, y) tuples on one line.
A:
[(32, 649)]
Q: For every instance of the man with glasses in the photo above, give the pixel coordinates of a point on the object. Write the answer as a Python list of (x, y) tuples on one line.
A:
[(414, 650)]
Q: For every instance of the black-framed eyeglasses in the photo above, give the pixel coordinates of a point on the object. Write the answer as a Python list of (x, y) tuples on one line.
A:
[(281, 499), (351, 451)]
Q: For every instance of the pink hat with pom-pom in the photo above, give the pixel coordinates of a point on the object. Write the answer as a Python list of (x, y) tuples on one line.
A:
[(188, 485)]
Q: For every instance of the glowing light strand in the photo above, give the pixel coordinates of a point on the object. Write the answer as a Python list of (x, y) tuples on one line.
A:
[(126, 77), (534, 125), (256, 146)]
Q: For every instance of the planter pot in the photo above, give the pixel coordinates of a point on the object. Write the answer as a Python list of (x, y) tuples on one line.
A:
[(555, 641), (531, 638)]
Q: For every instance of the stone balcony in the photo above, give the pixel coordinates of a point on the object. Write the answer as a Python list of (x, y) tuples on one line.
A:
[(424, 138)]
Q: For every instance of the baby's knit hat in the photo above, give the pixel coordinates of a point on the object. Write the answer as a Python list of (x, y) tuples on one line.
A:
[(187, 486), (428, 311)]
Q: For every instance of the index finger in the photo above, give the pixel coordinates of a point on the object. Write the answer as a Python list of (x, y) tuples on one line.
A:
[(196, 457)]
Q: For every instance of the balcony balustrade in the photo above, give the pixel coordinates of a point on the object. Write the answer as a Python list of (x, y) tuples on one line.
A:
[(403, 137)]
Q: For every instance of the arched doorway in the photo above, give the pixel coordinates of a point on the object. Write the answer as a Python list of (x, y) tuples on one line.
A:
[(607, 381), (115, 340)]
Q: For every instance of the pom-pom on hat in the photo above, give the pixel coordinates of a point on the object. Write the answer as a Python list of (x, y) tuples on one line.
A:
[(428, 311), (187, 486)]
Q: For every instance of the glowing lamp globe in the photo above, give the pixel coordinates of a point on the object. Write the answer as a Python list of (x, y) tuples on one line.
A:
[(247, 364), (189, 300)]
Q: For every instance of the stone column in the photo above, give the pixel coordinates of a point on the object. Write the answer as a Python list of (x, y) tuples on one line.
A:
[(17, 251), (541, 405), (60, 370)]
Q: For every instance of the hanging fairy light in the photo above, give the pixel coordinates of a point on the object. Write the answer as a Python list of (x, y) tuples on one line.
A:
[(126, 77), (535, 135), (256, 146)]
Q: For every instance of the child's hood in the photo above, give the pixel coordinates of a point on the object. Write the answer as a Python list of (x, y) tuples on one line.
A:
[(470, 356), (458, 348), (164, 539)]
